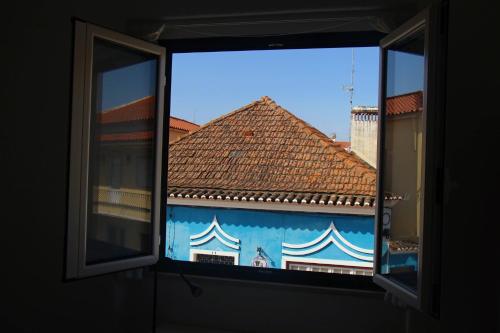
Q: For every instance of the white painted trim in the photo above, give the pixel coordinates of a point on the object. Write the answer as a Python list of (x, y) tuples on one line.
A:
[(346, 242), (334, 262), (311, 243), (235, 255), (320, 238), (215, 224), (273, 206), (323, 245), (349, 252), (211, 236)]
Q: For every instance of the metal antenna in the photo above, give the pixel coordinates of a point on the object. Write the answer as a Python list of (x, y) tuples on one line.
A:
[(350, 90)]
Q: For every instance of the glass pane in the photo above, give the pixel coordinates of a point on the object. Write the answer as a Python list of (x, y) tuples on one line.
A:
[(403, 157), (121, 153)]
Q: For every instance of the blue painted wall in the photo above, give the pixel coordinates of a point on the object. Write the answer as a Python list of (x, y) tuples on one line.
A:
[(265, 229)]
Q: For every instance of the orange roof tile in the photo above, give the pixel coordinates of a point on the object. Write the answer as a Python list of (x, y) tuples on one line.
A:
[(182, 124), (138, 110), (342, 144), (131, 136), (406, 103), (141, 109), (263, 148)]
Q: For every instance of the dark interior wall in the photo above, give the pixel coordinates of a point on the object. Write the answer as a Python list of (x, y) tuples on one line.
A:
[(36, 44), (470, 291), (237, 306)]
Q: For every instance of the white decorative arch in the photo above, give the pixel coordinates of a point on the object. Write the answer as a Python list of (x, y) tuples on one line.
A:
[(319, 244), (311, 243), (213, 231), (346, 242)]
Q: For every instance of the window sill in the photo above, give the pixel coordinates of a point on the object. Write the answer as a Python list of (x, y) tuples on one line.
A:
[(274, 278)]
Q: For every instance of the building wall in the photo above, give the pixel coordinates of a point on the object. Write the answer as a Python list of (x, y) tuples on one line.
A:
[(35, 156), (268, 230), (403, 162), (364, 137), (175, 134)]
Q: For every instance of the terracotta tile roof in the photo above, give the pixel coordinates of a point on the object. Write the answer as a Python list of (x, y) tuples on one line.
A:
[(342, 144), (406, 103), (264, 149), (403, 246), (182, 124), (131, 136), (141, 109), (271, 196)]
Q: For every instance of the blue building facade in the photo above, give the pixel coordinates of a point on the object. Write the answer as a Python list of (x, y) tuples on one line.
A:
[(261, 187), (325, 242)]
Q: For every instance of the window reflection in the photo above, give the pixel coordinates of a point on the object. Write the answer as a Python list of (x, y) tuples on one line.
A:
[(403, 158), (121, 166)]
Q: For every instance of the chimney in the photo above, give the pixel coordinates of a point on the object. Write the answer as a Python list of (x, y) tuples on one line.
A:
[(364, 127)]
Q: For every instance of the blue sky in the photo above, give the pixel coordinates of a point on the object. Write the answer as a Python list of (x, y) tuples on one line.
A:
[(308, 83), (126, 84), (404, 73)]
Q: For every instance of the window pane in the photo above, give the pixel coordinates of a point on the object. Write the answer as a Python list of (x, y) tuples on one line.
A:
[(121, 153), (403, 156)]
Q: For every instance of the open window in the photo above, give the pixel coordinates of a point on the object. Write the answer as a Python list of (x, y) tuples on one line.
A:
[(410, 160), (115, 194), (269, 184), (116, 152)]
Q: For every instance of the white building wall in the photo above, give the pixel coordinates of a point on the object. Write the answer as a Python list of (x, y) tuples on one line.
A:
[(364, 134)]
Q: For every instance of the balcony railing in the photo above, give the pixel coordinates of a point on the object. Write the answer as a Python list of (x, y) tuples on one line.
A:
[(126, 203)]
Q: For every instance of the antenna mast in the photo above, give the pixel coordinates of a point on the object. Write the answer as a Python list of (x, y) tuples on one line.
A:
[(350, 90)]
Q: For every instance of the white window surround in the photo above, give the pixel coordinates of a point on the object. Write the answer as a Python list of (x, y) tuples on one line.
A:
[(329, 269), (194, 252), (333, 262)]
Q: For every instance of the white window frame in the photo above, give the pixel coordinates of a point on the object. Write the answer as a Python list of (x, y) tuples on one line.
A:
[(333, 262), (426, 297), (84, 36), (194, 252)]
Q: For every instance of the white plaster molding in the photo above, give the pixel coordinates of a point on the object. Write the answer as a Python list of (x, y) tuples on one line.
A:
[(320, 238), (311, 243), (213, 231), (346, 242), (331, 239), (274, 206), (215, 224), (212, 235), (323, 245)]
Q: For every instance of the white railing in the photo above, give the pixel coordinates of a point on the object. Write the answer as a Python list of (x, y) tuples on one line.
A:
[(124, 202)]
